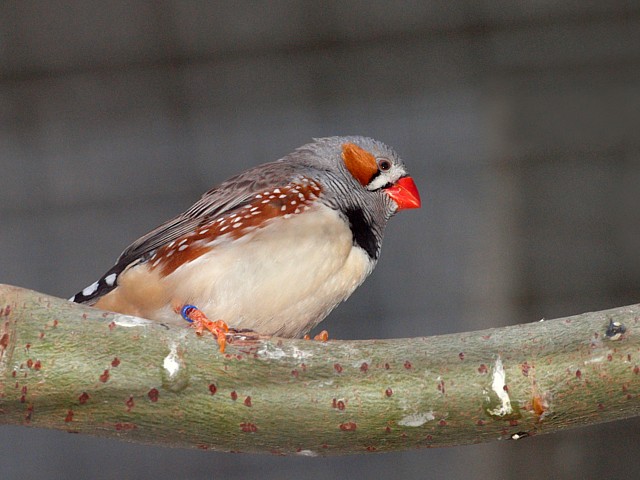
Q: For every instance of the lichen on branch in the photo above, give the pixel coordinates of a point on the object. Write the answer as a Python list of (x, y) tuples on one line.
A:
[(70, 367)]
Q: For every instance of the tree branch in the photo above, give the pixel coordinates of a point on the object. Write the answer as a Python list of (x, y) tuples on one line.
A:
[(79, 369)]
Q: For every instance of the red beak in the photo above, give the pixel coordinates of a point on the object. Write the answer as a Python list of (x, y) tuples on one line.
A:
[(405, 193)]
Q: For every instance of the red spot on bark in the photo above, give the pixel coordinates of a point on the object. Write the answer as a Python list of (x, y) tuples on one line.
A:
[(294, 373), (83, 398), (539, 405), (112, 325), (480, 423), (122, 426), (130, 404), (609, 357), (212, 388), (13, 374), (23, 399), (461, 355), (24, 390), (153, 395), (7, 310), (29, 363), (388, 392), (408, 365), (578, 374), (601, 406), (482, 369), (247, 401), (341, 405), (337, 367), (628, 357), (348, 426), (371, 448), (505, 388), (636, 369), (234, 396), (303, 367), (442, 423), (486, 337), (69, 416), (525, 369), (115, 362), (105, 376), (55, 323), (334, 403), (387, 366), (29, 413), (388, 429), (364, 367), (202, 446), (4, 341), (248, 427), (513, 422), (41, 335), (441, 386), (37, 365)]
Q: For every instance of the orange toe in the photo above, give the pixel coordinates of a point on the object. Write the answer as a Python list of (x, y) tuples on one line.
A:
[(323, 336), (201, 323)]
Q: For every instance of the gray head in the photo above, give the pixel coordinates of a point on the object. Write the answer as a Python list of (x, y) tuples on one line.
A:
[(365, 165), (367, 182)]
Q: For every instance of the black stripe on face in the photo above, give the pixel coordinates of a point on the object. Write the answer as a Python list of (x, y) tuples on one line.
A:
[(363, 234)]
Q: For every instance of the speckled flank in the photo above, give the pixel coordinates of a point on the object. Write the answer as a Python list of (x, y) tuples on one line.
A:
[(282, 202)]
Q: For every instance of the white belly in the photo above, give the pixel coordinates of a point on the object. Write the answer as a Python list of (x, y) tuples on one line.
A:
[(281, 279)]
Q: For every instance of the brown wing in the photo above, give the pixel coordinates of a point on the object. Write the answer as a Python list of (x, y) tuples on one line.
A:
[(222, 200)]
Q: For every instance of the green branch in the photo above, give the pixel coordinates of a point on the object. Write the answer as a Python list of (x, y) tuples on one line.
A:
[(74, 368)]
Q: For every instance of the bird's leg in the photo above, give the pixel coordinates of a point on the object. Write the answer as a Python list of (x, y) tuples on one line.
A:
[(200, 322)]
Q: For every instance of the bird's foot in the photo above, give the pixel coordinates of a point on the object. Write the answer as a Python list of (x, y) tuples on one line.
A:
[(200, 322), (323, 336)]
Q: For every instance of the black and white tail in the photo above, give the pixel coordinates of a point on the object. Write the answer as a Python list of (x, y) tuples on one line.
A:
[(93, 292)]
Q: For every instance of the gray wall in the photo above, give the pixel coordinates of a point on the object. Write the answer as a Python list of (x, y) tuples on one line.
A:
[(519, 120)]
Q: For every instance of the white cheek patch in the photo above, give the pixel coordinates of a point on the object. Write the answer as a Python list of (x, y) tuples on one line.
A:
[(110, 279), (384, 178)]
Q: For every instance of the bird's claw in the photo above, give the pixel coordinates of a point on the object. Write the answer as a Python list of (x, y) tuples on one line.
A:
[(323, 336), (200, 322)]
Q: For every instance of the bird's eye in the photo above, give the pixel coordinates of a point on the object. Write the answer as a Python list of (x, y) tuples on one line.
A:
[(384, 165)]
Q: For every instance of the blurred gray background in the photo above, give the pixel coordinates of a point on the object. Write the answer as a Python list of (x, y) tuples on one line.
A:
[(519, 120)]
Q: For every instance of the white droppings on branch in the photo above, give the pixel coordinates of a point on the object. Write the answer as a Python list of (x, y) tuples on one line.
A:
[(270, 351), (307, 453), (129, 321), (171, 362), (498, 385), (416, 419)]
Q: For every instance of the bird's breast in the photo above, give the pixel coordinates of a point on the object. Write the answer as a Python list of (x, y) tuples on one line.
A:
[(281, 278)]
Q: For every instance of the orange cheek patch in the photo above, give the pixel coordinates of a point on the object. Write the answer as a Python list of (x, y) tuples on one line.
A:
[(359, 162)]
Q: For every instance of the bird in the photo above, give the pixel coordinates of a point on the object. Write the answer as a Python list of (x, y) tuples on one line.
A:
[(271, 250)]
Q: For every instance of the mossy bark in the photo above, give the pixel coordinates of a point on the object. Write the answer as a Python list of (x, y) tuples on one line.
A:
[(79, 369)]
